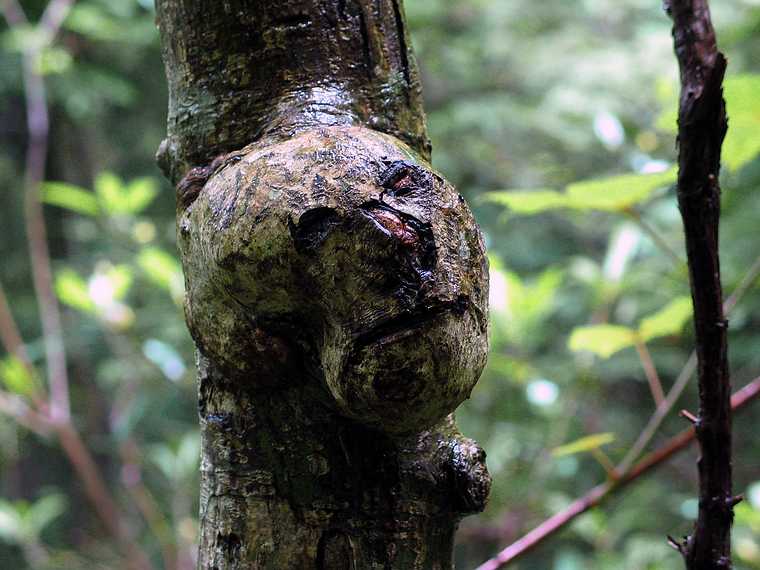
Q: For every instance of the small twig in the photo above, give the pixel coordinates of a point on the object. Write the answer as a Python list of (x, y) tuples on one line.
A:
[(99, 495), (649, 431), (683, 377), (655, 385), (604, 460), (600, 493), (647, 434), (654, 235), (16, 408), (54, 15), (686, 414), (10, 337), (145, 502), (746, 282)]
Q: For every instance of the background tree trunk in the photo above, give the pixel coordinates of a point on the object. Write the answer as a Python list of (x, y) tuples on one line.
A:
[(336, 287)]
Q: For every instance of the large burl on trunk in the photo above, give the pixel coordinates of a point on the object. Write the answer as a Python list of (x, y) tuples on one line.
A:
[(337, 287)]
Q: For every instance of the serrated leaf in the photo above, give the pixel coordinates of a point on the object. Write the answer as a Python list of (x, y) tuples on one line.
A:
[(16, 377), (602, 340), (588, 443), (70, 197), (667, 321), (616, 193), (528, 201), (73, 291)]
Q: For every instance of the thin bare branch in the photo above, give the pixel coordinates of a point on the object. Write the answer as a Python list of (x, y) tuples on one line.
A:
[(654, 235), (10, 337), (744, 285), (655, 384), (15, 407), (647, 434), (36, 156), (14, 13), (600, 493), (54, 15)]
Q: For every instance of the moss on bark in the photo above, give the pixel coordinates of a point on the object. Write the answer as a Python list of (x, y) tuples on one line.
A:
[(336, 288)]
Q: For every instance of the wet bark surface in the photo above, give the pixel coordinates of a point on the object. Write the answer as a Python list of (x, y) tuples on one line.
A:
[(336, 284), (240, 69)]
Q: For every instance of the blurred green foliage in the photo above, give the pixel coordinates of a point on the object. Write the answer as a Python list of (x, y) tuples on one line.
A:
[(555, 119)]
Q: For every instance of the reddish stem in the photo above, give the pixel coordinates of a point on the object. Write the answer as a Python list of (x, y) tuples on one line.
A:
[(600, 493)]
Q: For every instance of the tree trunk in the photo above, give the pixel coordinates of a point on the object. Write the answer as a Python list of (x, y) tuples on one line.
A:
[(336, 287)]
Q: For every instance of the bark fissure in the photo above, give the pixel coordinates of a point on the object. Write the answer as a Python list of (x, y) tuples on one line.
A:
[(401, 33)]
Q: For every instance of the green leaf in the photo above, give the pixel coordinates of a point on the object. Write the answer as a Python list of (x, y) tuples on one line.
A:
[(109, 189), (164, 458), (602, 340), (528, 201), (160, 267), (668, 120), (617, 193), (11, 525), (52, 60), (611, 194), (25, 37), (120, 277), (17, 378), (588, 443), (140, 193), (742, 142), (95, 23), (188, 455), (747, 516), (44, 511), (118, 198), (72, 290), (667, 321), (70, 197)]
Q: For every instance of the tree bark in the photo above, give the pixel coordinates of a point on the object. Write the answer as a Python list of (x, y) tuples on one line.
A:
[(336, 287)]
